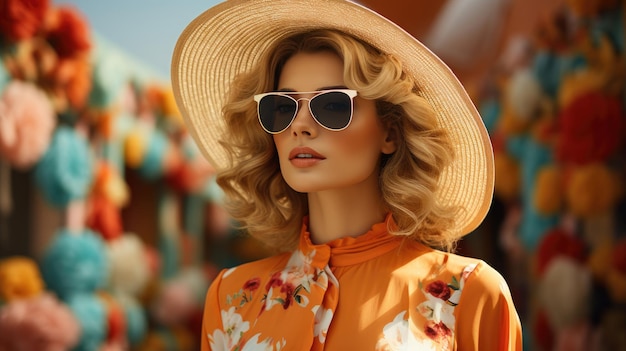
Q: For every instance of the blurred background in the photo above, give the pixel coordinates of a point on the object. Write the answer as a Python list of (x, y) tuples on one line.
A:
[(111, 225)]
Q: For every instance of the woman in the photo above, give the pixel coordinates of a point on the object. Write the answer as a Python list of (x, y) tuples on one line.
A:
[(344, 143)]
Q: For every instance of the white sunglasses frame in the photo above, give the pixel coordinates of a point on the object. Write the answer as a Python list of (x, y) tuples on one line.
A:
[(350, 92)]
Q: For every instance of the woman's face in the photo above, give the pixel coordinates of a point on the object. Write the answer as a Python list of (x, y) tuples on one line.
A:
[(314, 159)]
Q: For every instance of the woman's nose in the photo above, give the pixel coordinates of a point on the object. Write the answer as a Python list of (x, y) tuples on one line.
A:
[(303, 122)]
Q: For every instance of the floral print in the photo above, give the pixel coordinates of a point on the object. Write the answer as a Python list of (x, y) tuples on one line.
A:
[(438, 310), (323, 317)]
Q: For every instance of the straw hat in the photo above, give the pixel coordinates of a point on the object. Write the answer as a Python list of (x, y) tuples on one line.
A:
[(230, 38)]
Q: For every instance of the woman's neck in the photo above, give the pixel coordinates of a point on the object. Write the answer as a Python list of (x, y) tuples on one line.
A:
[(335, 214)]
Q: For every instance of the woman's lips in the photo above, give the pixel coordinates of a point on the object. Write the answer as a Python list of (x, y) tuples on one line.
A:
[(304, 157)]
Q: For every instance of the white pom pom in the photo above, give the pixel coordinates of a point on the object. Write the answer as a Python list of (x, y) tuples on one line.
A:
[(564, 292), (130, 271), (524, 94)]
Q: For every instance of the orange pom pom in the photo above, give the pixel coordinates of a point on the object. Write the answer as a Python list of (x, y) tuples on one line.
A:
[(111, 185), (548, 194), (19, 279)]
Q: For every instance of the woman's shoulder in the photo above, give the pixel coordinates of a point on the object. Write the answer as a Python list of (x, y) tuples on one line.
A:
[(456, 270), (254, 269)]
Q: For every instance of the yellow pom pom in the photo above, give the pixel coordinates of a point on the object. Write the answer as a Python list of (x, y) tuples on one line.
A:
[(170, 109), (135, 147), (548, 193), (593, 189), (19, 278), (507, 182)]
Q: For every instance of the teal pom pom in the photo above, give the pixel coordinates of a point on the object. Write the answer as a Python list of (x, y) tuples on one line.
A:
[(65, 172), (152, 165), (136, 320), (91, 314), (75, 263)]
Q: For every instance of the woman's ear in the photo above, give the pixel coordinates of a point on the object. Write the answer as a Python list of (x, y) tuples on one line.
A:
[(390, 144)]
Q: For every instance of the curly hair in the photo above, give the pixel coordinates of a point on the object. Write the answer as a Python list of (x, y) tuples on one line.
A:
[(259, 198)]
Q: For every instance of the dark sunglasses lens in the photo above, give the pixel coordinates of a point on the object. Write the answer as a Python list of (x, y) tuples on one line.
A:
[(332, 109), (276, 112)]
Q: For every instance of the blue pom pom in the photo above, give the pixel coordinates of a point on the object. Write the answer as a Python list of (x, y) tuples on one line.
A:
[(152, 165), (65, 172), (91, 314), (75, 263), (490, 111), (136, 320)]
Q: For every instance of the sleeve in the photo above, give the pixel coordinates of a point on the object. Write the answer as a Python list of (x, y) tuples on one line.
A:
[(212, 317), (487, 319)]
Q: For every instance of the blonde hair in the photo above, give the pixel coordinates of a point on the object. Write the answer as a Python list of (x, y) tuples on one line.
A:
[(259, 198)]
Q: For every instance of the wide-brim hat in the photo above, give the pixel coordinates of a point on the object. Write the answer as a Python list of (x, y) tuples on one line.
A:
[(230, 38)]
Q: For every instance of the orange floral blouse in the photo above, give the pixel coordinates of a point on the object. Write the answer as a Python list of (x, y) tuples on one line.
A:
[(373, 292)]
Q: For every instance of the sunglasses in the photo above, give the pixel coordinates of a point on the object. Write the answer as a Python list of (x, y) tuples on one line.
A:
[(332, 109)]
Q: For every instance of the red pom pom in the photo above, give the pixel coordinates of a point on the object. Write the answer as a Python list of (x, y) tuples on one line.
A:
[(558, 242), (21, 20), (69, 32), (590, 129)]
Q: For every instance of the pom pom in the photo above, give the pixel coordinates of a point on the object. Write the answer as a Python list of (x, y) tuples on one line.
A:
[(111, 185), (91, 314), (591, 129), (170, 109), (68, 32), (508, 177), (116, 322), (548, 192), (65, 171), (558, 243), (135, 316), (19, 279), (70, 82), (104, 218), (75, 263), (592, 190), (127, 278), (135, 146), (157, 147), (524, 95), (564, 292), (579, 83), (21, 19), (40, 323), (27, 120)]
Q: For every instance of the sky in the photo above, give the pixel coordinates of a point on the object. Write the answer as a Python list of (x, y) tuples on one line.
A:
[(145, 30)]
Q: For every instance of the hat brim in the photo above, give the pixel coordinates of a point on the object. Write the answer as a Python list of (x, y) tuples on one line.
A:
[(229, 38)]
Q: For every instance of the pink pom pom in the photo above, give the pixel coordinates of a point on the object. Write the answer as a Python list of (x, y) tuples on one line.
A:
[(40, 323), (27, 120)]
